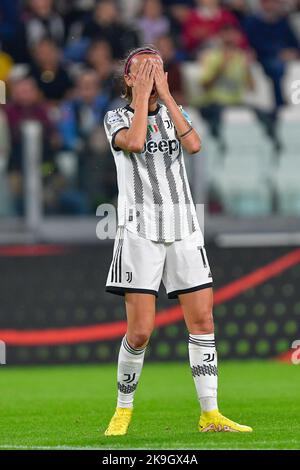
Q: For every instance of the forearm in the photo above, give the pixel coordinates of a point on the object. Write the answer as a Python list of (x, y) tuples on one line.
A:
[(189, 138), (180, 123), (136, 134)]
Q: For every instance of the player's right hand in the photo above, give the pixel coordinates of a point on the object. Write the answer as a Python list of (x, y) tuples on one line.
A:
[(144, 80)]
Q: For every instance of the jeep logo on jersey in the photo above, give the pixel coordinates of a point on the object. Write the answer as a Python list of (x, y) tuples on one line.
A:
[(170, 146)]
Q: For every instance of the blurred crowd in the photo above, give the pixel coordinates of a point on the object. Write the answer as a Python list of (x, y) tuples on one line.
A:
[(61, 59)]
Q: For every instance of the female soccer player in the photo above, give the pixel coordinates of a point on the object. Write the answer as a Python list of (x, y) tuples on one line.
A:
[(158, 236)]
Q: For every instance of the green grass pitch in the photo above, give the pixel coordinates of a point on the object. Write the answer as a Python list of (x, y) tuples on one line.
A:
[(70, 406)]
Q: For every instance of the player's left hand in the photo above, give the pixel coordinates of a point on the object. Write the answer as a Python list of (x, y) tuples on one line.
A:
[(161, 81)]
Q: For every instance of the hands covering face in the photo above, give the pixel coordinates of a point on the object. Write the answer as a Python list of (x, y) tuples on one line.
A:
[(161, 81), (151, 77)]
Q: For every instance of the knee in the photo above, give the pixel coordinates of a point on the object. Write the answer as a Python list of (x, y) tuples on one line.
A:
[(203, 323), (139, 338)]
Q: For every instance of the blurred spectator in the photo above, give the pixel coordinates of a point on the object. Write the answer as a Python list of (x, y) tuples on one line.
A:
[(76, 6), (273, 40), (57, 37), (105, 24), (152, 22), (99, 57), (82, 115), (225, 76), (81, 130), (52, 78), (43, 22), (178, 11), (204, 23), (26, 103), (37, 20), (74, 14), (6, 64), (11, 30), (8, 20), (130, 9), (240, 8), (166, 46)]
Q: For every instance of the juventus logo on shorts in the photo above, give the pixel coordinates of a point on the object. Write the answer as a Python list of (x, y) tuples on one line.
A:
[(129, 276), (130, 378)]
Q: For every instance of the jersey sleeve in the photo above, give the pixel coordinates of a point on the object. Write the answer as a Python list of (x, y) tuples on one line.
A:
[(185, 115), (114, 122)]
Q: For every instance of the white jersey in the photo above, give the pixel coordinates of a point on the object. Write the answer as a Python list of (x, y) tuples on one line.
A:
[(154, 195)]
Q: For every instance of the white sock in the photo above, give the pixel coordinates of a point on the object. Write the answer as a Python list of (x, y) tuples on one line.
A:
[(203, 361), (130, 365)]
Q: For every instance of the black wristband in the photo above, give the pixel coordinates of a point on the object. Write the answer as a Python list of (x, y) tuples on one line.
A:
[(186, 133)]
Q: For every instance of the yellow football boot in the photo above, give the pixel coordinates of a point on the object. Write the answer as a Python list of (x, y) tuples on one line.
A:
[(119, 422), (213, 421)]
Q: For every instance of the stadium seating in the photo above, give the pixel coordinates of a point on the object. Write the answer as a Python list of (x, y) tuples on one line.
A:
[(242, 176), (191, 72), (5, 199), (289, 128), (295, 23), (196, 164), (292, 74), (286, 175), (261, 97)]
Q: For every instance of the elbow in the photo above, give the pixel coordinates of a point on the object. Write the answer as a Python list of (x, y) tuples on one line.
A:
[(194, 147), (194, 151), (134, 146)]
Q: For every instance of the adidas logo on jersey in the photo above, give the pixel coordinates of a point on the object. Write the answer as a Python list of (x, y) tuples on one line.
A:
[(170, 146)]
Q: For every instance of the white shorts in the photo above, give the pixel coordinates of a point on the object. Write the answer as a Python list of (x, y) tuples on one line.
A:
[(139, 265)]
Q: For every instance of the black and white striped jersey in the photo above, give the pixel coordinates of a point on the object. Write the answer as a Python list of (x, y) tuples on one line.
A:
[(154, 195)]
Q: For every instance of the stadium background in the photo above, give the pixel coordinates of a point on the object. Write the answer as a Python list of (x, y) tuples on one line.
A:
[(59, 61), (235, 67)]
